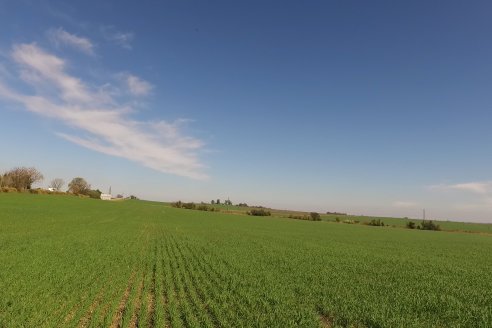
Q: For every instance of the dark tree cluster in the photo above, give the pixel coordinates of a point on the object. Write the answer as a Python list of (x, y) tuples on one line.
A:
[(429, 225), (193, 206), (313, 216), (411, 225), (218, 202), (336, 213), (94, 194), (259, 212), (425, 225), (376, 223)]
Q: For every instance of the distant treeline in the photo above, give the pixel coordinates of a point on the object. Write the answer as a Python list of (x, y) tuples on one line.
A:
[(259, 212), (193, 206), (21, 179), (424, 225), (313, 216), (226, 202)]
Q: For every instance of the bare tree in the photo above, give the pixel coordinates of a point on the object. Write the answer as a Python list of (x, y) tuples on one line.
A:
[(33, 176), (78, 186), (57, 184), (5, 180), (23, 177)]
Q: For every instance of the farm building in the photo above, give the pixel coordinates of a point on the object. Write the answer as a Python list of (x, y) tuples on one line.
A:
[(106, 196)]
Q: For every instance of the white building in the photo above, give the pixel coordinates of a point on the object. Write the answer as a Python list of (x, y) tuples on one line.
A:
[(106, 196)]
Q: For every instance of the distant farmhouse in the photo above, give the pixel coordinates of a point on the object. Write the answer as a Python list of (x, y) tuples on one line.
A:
[(106, 196)]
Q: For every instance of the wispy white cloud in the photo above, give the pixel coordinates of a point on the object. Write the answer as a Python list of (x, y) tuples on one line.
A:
[(404, 204), (482, 204), (477, 206), (136, 85), (123, 39), (104, 123), (474, 187), (61, 37), (472, 196)]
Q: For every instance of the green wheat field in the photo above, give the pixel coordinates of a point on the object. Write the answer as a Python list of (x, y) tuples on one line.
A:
[(74, 262)]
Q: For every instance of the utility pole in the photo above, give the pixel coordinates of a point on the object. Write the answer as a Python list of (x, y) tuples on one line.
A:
[(423, 214)]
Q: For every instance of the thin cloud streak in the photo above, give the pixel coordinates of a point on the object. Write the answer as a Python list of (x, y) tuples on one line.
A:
[(61, 37), (404, 204), (122, 39), (105, 123), (474, 187)]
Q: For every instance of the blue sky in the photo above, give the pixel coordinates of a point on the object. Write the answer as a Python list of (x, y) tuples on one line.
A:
[(378, 109)]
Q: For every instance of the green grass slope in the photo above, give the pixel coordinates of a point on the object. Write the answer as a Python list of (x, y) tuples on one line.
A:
[(70, 262)]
